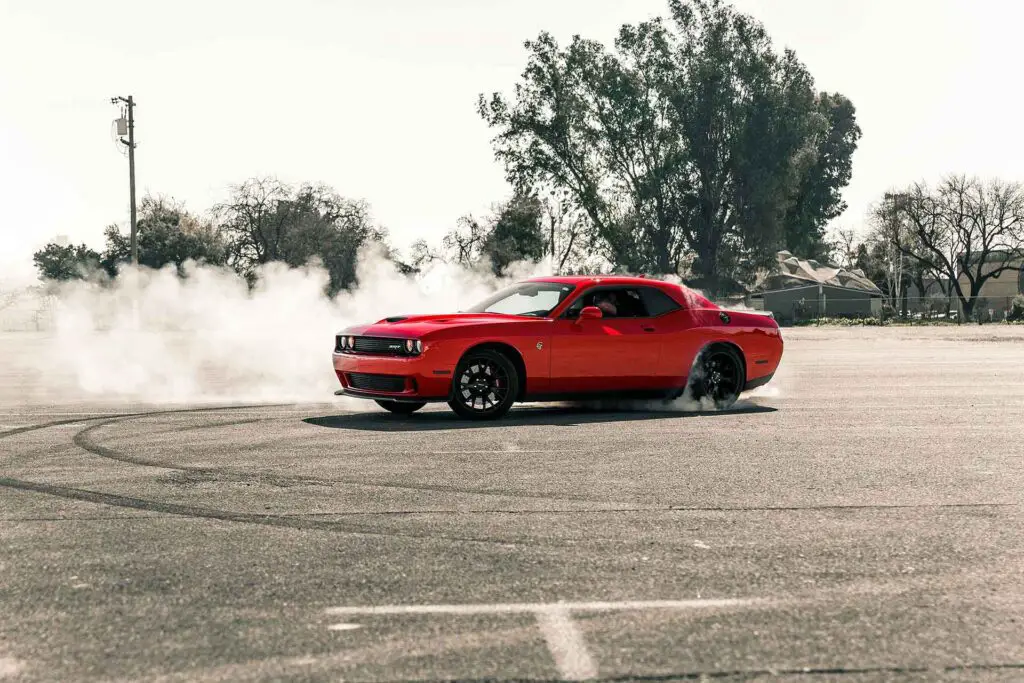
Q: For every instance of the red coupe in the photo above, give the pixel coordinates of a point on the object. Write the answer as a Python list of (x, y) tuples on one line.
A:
[(561, 338)]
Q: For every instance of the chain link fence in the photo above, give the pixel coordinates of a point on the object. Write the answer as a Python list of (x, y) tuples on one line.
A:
[(29, 309), (926, 309)]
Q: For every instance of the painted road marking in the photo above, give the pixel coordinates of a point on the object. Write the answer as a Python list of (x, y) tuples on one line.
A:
[(343, 627), (534, 607), (564, 640), (10, 667), (568, 649)]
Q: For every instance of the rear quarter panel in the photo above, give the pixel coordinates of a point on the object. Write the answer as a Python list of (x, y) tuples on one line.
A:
[(757, 337)]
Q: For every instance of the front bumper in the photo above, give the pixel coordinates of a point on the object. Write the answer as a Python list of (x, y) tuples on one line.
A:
[(423, 378), (397, 398)]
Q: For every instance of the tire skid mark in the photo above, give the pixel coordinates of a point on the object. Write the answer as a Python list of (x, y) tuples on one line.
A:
[(195, 512), (213, 425), (124, 416), (84, 440)]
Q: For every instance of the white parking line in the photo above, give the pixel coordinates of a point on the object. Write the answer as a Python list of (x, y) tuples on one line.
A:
[(10, 667), (343, 627), (534, 607), (568, 649), (564, 640)]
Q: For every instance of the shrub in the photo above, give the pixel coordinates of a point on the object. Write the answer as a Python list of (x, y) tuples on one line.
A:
[(1016, 313), (841, 322)]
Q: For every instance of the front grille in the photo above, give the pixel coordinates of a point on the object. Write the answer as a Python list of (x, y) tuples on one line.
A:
[(375, 346), (391, 384), (381, 346)]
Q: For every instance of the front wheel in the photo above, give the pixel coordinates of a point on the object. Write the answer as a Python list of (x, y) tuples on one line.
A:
[(717, 377), (485, 385), (400, 407)]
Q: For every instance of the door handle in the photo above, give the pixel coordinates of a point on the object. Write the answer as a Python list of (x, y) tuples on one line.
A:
[(648, 328)]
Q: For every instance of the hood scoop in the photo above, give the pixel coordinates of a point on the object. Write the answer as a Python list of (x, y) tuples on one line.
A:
[(396, 319)]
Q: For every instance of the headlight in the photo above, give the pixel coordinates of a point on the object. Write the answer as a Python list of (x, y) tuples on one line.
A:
[(419, 346), (409, 345), (351, 342)]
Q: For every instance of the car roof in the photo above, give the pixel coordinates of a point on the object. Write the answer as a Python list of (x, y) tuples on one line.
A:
[(605, 280), (587, 280)]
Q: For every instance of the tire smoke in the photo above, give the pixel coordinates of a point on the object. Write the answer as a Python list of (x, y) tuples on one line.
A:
[(154, 337)]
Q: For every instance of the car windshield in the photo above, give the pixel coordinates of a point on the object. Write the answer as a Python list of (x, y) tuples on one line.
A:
[(535, 299)]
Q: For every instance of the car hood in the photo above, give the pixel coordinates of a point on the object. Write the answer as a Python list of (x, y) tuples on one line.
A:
[(417, 325)]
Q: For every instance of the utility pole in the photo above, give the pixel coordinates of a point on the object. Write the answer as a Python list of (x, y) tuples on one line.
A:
[(130, 144)]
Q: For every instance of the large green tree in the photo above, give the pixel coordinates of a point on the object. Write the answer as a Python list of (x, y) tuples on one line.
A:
[(63, 262), (167, 234), (691, 142), (818, 197), (514, 232)]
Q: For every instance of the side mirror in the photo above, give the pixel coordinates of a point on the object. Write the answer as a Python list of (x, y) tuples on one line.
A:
[(590, 313)]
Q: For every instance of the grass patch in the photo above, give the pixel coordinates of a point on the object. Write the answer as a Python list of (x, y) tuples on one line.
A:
[(875, 322)]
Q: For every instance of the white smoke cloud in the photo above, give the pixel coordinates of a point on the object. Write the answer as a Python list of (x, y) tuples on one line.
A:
[(154, 337)]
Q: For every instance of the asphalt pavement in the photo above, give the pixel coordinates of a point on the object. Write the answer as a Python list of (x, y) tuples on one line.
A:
[(859, 519)]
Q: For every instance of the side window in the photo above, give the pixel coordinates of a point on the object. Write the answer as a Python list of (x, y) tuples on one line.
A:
[(658, 302), (614, 302), (630, 304)]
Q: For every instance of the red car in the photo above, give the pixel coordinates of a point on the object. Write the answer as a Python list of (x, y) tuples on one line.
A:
[(560, 338)]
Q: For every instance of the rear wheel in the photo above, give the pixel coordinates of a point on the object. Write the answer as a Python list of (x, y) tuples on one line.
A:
[(717, 376), (485, 385), (400, 407)]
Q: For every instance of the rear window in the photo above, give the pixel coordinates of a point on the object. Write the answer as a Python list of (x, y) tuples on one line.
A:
[(657, 302)]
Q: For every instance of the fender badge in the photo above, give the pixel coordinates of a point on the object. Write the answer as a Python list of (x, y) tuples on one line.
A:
[(724, 316), (540, 345)]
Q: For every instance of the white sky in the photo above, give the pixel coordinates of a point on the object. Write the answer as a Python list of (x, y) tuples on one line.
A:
[(377, 98)]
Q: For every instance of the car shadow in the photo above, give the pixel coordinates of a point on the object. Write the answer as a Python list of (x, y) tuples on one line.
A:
[(545, 415)]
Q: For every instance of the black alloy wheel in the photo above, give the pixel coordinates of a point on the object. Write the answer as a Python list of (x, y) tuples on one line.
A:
[(400, 407), (717, 375), (485, 385)]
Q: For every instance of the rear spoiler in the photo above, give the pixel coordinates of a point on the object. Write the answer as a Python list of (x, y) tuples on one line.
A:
[(767, 314)]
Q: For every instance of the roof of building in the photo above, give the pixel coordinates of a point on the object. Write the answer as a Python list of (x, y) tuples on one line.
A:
[(791, 272)]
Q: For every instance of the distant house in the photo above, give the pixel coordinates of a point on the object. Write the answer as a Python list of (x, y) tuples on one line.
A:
[(1007, 284), (996, 296), (799, 289)]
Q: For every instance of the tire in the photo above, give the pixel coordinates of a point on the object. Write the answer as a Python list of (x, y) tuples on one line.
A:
[(400, 407), (718, 375), (484, 386)]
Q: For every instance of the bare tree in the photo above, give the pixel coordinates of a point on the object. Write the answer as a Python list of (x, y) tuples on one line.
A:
[(967, 231), (266, 220), (464, 244), (422, 254), (566, 226), (890, 242), (844, 245)]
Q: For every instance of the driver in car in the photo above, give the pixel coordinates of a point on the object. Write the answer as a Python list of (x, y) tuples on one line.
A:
[(606, 302)]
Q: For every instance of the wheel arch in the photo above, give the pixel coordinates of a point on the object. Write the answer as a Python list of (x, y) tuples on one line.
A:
[(721, 343), (513, 355)]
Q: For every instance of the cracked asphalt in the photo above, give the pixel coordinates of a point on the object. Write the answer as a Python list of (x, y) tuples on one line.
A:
[(863, 512)]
